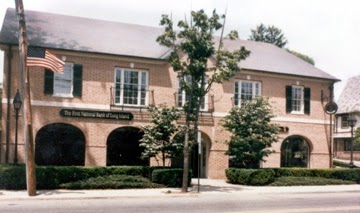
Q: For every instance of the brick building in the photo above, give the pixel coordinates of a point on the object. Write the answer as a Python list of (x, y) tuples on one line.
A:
[(91, 115)]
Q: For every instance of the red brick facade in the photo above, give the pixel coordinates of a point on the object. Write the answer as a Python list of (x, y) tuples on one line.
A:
[(98, 79)]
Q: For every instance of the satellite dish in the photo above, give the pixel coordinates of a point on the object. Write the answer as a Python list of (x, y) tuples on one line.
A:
[(331, 108)]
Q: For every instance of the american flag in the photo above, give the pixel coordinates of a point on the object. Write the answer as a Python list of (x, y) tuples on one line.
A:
[(40, 57)]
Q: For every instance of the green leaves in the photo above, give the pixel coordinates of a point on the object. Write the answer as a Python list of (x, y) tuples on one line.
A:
[(157, 138), (252, 132), (270, 34)]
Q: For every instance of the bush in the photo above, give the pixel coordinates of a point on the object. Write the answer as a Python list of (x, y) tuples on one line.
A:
[(239, 176), (111, 182), (261, 177), (256, 177), (266, 176), (308, 181), (169, 177), (12, 177), (50, 177)]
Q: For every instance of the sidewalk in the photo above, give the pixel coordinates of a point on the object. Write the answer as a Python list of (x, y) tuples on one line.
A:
[(356, 163), (207, 187)]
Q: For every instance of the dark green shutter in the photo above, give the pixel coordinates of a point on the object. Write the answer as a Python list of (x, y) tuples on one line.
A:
[(49, 82), (77, 87), (288, 98), (307, 97)]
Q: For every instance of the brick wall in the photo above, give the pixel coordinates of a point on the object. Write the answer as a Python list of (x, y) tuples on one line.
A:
[(98, 78)]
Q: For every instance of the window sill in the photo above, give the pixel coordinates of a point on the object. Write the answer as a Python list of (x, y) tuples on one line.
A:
[(63, 96), (297, 113)]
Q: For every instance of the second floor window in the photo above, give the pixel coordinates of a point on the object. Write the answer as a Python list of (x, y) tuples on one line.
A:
[(63, 82), (298, 99), (246, 90), (131, 87), (67, 85), (182, 98), (344, 122)]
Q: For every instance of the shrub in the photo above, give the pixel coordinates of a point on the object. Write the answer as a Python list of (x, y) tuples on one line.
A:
[(308, 181), (238, 176), (261, 177), (50, 177), (12, 177), (169, 177), (111, 182)]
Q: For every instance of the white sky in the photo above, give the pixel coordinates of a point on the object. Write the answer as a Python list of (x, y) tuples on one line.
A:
[(326, 30)]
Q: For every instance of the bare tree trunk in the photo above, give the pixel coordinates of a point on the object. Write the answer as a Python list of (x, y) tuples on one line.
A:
[(184, 186)]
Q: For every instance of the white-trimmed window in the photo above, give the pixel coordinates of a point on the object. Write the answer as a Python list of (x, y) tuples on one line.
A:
[(344, 122), (131, 87), (182, 98), (63, 82), (297, 104), (298, 99), (246, 90)]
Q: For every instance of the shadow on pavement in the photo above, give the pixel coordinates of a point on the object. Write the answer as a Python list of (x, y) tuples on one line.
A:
[(56, 192), (210, 188)]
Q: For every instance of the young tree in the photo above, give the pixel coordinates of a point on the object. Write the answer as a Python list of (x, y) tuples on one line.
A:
[(252, 133), (192, 46), (157, 139), (270, 34)]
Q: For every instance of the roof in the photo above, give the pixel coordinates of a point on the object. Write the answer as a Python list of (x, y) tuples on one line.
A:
[(56, 31), (350, 97)]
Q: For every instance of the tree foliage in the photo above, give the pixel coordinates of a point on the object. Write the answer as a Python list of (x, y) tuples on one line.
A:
[(269, 34), (357, 137), (157, 139), (302, 56), (252, 133), (192, 46)]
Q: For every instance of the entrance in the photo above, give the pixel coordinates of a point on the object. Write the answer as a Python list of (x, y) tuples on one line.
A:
[(295, 152), (123, 147), (60, 144), (194, 163)]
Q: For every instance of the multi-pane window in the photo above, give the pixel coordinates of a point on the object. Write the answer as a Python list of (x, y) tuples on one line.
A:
[(297, 99), (246, 90), (131, 87), (344, 122), (63, 82), (182, 98)]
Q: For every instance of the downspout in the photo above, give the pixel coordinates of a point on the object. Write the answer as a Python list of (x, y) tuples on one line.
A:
[(331, 89), (8, 79)]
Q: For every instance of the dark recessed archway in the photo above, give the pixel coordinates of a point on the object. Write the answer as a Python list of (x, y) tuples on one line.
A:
[(123, 147), (60, 144), (295, 152)]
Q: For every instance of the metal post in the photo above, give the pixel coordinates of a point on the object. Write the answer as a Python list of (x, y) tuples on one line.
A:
[(351, 147), (16, 135)]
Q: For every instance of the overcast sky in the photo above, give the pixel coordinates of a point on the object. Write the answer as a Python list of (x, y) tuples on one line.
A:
[(326, 30)]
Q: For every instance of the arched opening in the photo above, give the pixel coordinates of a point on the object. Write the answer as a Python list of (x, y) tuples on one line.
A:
[(198, 164), (295, 152), (123, 147), (60, 144)]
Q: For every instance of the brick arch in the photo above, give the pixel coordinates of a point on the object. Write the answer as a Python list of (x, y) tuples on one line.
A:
[(296, 151), (123, 147), (60, 144)]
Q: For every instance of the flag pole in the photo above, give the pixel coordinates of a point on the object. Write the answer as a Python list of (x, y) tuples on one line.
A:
[(25, 90)]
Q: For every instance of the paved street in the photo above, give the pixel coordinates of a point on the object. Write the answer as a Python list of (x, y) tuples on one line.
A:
[(215, 196), (221, 202)]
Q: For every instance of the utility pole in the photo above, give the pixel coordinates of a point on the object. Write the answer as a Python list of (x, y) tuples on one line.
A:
[(25, 90)]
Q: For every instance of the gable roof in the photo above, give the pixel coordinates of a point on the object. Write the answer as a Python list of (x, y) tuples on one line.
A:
[(56, 31), (350, 96)]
